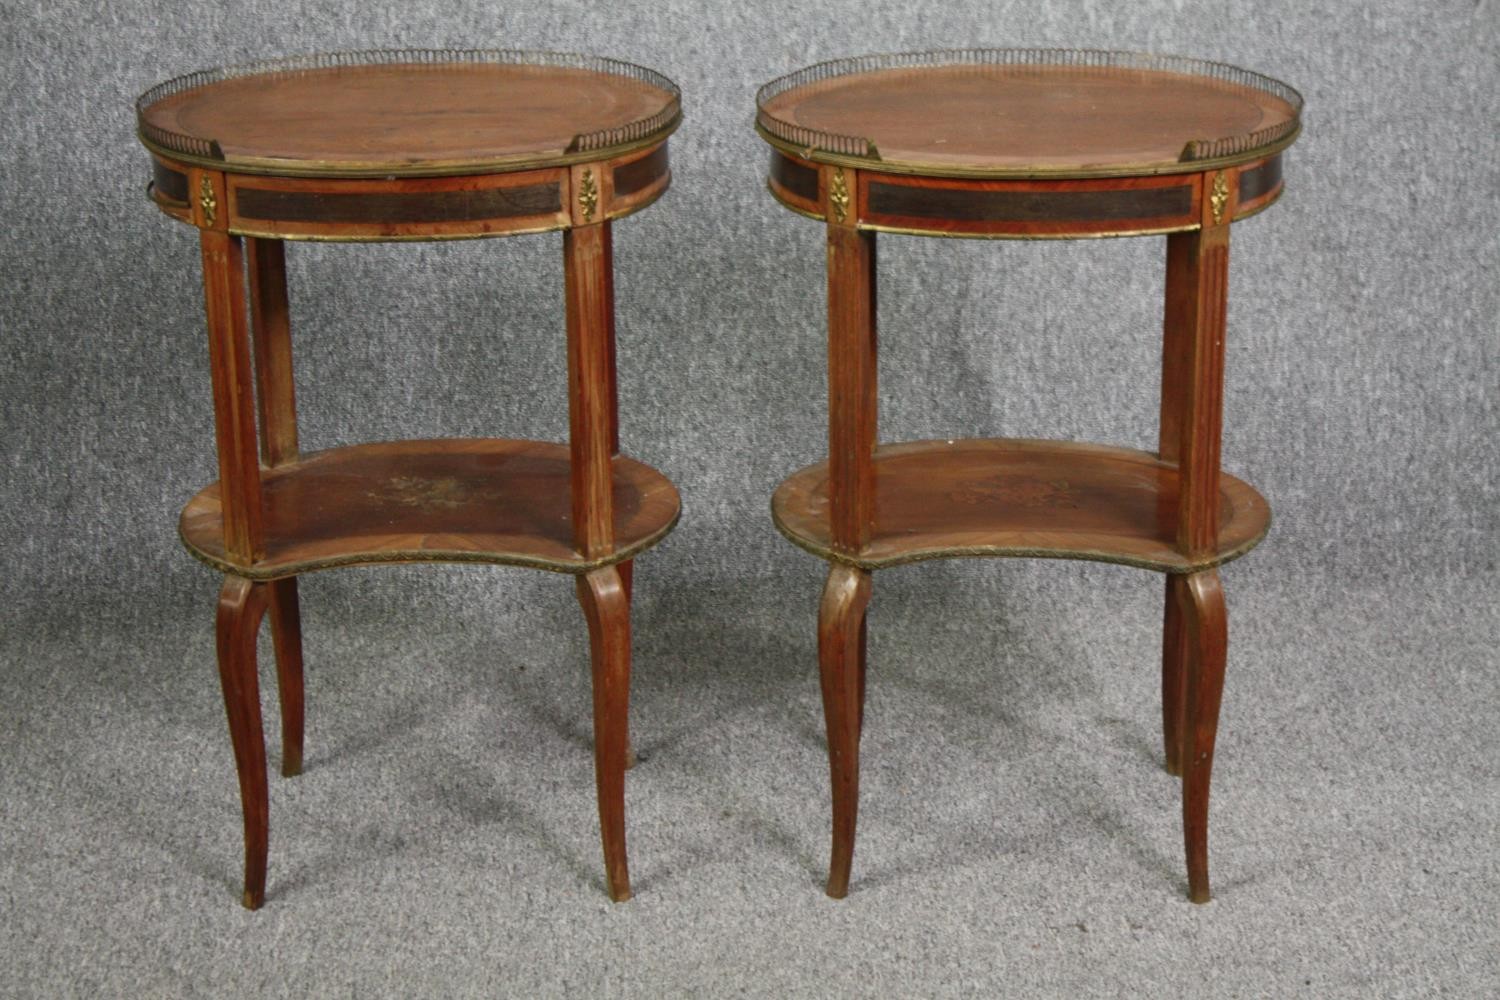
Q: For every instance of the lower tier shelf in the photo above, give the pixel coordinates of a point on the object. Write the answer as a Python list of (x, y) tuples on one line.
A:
[(451, 500), (1049, 499)]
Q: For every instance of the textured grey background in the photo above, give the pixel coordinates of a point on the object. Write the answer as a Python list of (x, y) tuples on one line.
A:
[(1017, 835)]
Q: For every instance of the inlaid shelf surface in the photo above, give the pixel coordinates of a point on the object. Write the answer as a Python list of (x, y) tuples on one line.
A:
[(448, 500), (1016, 497)]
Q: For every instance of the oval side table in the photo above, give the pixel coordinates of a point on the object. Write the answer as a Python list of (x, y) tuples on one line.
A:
[(1029, 144), (410, 145)]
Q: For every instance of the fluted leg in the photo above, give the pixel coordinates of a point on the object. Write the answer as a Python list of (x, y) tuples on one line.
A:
[(606, 605), (241, 605), (1174, 650), (841, 619), (1205, 629), (286, 634)]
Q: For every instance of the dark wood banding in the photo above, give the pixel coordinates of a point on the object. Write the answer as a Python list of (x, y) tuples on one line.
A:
[(1260, 180), (170, 184), (397, 208), (800, 180), (642, 173), (970, 205)]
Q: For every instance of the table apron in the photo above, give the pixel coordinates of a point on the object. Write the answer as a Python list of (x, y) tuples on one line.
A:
[(1022, 208), (421, 208)]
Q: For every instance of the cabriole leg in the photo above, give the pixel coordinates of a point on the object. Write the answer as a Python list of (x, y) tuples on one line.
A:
[(606, 606), (241, 606), (1206, 634), (626, 570), (1174, 650), (841, 618), (286, 635)]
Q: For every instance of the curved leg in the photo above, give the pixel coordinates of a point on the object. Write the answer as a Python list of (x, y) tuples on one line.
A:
[(286, 634), (606, 605), (1206, 631), (841, 618), (626, 570), (863, 659), (241, 605), (1174, 650)]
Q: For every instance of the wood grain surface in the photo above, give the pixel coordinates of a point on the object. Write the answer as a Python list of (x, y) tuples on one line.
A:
[(404, 118), (1020, 118), (242, 604), (446, 500), (1057, 499)]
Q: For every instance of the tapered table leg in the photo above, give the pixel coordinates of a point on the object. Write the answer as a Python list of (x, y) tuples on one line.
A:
[(1206, 634), (626, 570), (241, 605), (841, 619), (286, 636), (1174, 650), (605, 606)]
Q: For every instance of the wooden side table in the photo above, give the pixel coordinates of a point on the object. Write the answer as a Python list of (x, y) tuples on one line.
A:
[(1029, 144), (410, 145)]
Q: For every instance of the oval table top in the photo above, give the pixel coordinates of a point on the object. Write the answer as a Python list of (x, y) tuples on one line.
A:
[(1028, 113), (405, 113)]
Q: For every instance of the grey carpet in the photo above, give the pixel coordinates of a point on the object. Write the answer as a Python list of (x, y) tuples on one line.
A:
[(1017, 836)]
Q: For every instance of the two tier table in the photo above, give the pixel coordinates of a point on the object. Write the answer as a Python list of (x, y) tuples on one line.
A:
[(1029, 144), (410, 145)]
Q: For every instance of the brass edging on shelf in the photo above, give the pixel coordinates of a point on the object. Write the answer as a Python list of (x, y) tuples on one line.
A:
[(828, 554), (261, 166), (403, 238), (399, 558), (1025, 173), (905, 231), (1187, 563)]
